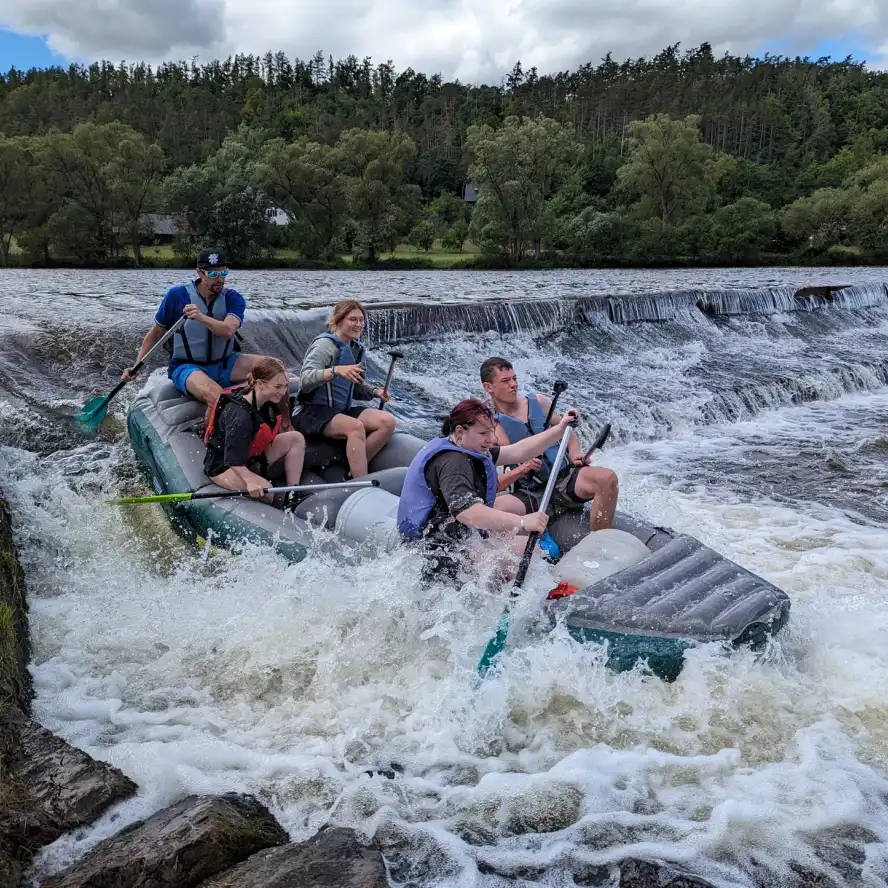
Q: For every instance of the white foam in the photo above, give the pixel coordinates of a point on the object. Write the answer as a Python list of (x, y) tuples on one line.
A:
[(205, 673)]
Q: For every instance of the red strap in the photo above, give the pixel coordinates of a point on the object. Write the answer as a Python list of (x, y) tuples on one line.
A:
[(562, 590)]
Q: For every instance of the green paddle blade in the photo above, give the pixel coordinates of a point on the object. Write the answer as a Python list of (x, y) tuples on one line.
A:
[(162, 498), (496, 644), (92, 413)]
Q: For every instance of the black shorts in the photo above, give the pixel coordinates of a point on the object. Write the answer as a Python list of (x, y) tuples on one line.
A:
[(564, 496), (313, 418)]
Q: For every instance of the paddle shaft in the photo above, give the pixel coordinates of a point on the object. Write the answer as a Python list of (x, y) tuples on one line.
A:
[(544, 504), (558, 388), (388, 377), (556, 394), (212, 494), (138, 365), (342, 485)]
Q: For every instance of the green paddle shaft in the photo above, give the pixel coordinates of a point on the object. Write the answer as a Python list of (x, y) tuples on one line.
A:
[(214, 494)]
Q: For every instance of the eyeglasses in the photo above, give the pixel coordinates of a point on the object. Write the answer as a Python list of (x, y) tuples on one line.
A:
[(216, 272)]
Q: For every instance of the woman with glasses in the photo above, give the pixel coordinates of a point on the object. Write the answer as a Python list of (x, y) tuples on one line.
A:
[(451, 485), (204, 359), (331, 379)]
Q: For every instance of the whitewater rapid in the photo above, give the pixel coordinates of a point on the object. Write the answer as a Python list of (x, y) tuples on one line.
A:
[(195, 670)]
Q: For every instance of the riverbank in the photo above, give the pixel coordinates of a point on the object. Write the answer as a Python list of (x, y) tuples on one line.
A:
[(404, 260)]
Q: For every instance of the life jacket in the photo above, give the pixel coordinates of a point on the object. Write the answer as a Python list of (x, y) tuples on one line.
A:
[(516, 431), (263, 434), (339, 391), (417, 500), (193, 342)]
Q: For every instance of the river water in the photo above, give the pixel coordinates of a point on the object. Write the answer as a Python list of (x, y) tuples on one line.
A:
[(759, 425)]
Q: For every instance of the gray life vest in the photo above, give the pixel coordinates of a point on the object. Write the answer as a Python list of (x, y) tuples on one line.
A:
[(194, 343)]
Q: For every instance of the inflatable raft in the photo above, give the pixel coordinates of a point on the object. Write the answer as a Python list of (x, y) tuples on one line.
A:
[(647, 592)]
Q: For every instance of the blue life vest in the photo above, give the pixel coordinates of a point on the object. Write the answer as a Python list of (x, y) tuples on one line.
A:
[(339, 391), (516, 431), (417, 500), (193, 342)]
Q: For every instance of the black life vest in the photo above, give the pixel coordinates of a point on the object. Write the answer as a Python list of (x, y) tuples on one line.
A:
[(263, 433)]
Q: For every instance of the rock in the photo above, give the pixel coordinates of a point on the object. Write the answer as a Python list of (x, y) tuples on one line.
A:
[(64, 786), (842, 852), (15, 680), (656, 874), (332, 859), (178, 847)]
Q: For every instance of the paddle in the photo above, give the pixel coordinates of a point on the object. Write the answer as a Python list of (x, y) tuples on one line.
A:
[(213, 494), (557, 389), (498, 641), (93, 411), (394, 355), (603, 435)]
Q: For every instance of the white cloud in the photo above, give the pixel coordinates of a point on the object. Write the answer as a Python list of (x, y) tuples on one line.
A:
[(468, 39)]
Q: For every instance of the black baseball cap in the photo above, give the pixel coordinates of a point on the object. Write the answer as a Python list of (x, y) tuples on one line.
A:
[(212, 257)]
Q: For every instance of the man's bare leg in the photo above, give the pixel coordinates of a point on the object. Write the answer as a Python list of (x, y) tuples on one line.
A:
[(602, 487)]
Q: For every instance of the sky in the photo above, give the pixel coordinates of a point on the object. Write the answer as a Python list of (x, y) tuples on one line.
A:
[(472, 40)]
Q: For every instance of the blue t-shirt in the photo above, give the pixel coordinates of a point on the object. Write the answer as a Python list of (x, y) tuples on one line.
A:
[(175, 300)]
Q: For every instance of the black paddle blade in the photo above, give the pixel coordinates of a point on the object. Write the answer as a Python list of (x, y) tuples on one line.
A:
[(603, 435)]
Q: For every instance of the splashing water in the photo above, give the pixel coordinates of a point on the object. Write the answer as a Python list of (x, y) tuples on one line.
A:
[(201, 671)]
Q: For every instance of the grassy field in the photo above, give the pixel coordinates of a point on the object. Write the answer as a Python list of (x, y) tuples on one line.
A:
[(438, 256)]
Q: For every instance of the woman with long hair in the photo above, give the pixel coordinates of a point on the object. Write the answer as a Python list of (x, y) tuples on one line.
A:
[(331, 380), (249, 439)]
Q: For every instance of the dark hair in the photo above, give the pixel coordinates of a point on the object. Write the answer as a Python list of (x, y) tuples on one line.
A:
[(264, 370), (491, 364), (465, 413), (341, 309)]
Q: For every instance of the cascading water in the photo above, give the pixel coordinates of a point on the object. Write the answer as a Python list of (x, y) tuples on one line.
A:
[(754, 419)]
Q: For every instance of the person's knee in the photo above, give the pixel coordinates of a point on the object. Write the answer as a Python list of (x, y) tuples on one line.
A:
[(387, 423), (356, 431), (597, 482), (204, 389), (294, 440)]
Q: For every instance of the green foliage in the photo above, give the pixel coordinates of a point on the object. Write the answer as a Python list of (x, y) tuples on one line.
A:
[(422, 235), (456, 236), (670, 169), (518, 168), (743, 231), (679, 158)]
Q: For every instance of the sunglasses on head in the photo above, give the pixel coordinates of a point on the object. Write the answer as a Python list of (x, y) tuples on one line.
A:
[(216, 272)]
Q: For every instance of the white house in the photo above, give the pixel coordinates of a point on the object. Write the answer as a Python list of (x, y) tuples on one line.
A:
[(276, 216)]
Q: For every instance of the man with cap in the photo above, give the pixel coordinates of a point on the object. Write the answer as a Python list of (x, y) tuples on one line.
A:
[(204, 360)]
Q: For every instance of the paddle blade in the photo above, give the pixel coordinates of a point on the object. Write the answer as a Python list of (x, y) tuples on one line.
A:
[(495, 645), (161, 498), (92, 413)]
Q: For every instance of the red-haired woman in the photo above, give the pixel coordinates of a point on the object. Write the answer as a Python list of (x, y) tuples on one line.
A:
[(451, 485), (331, 378)]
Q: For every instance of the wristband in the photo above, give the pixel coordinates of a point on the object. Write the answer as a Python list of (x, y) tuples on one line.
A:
[(522, 523)]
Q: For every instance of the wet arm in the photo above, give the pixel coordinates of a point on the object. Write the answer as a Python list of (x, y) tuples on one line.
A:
[(529, 447), (152, 337)]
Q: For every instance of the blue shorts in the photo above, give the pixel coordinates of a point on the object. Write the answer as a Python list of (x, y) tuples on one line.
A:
[(220, 373)]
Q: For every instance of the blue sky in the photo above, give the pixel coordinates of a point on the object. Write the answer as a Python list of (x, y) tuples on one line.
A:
[(25, 52)]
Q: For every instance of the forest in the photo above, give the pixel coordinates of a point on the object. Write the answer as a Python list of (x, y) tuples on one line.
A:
[(684, 158)]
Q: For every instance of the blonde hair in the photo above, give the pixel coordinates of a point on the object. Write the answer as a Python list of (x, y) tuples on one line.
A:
[(264, 370), (341, 309)]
